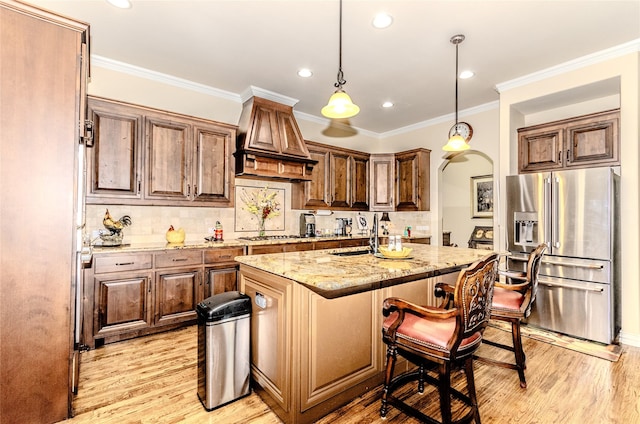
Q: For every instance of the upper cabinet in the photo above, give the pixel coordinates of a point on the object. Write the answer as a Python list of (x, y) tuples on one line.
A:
[(270, 143), (381, 182), (412, 180), (340, 180), (585, 141), (152, 157)]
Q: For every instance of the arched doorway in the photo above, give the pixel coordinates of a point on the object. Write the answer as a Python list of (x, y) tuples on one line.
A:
[(466, 195)]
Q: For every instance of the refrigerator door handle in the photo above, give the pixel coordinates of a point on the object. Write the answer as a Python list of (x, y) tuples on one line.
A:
[(574, 265), (545, 211), (582, 287), (556, 216)]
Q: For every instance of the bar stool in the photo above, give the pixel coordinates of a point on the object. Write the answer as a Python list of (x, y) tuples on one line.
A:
[(512, 303), (442, 339)]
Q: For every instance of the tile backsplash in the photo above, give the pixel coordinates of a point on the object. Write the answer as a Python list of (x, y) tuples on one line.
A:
[(150, 223)]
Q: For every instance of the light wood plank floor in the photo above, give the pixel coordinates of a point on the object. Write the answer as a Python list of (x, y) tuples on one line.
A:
[(153, 379)]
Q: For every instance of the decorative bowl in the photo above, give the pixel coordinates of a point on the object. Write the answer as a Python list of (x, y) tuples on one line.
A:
[(406, 251)]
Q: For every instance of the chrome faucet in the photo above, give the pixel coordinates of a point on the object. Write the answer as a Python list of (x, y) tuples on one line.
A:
[(373, 239)]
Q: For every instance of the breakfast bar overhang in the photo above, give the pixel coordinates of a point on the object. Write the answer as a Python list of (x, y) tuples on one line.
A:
[(316, 320)]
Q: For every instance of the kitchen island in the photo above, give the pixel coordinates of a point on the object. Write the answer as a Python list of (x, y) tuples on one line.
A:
[(316, 320)]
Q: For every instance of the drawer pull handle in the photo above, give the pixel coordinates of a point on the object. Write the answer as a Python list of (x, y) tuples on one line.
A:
[(124, 263), (179, 259), (225, 257)]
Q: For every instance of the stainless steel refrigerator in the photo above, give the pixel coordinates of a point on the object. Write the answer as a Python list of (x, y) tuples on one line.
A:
[(576, 213)]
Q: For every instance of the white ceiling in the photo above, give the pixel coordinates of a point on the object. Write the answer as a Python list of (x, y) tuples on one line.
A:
[(231, 45)]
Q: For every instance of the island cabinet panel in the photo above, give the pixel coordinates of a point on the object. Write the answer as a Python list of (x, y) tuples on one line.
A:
[(115, 164), (303, 367), (272, 351), (334, 360), (579, 142), (153, 157)]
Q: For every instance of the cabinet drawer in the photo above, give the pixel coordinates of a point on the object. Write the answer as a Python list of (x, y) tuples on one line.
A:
[(122, 263), (222, 254), (178, 258)]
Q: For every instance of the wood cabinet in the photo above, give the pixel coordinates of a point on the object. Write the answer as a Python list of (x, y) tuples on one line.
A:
[(382, 182), (133, 294), (412, 180), (114, 166), (339, 181), (270, 143), (42, 90), (306, 245), (581, 142), (221, 270), (152, 157)]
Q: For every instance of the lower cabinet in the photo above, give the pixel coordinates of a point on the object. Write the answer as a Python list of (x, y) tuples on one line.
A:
[(122, 303), (177, 294), (127, 295)]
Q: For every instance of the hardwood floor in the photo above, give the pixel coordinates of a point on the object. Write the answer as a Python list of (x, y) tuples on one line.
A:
[(153, 379)]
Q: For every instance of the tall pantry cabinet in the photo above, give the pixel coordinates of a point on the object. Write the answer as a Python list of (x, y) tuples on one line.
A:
[(42, 88)]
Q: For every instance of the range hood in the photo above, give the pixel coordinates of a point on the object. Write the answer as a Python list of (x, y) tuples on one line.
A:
[(270, 144)]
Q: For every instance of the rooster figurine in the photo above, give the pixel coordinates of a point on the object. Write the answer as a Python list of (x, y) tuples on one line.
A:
[(115, 227)]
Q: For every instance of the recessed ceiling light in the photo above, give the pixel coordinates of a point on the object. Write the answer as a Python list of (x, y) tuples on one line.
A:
[(382, 20), (387, 104), (466, 74), (122, 4), (305, 73)]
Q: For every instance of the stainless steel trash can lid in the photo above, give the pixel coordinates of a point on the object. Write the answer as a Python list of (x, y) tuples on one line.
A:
[(224, 306)]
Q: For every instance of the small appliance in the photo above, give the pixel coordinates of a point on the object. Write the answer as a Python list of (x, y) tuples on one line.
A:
[(307, 225)]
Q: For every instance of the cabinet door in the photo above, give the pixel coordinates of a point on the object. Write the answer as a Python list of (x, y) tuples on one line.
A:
[(412, 180), (314, 193), (122, 304), (381, 182), (220, 281), (114, 162), (340, 177), (593, 141), (541, 149), (213, 168), (176, 296), (360, 182), (168, 159)]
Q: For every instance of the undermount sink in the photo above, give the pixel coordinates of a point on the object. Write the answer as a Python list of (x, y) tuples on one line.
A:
[(352, 253)]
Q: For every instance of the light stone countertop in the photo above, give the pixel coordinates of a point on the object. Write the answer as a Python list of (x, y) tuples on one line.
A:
[(140, 247), (334, 276)]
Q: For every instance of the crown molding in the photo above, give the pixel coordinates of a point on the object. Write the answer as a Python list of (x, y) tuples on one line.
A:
[(126, 68), (581, 62)]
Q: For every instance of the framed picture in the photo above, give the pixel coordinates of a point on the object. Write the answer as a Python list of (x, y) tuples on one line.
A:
[(482, 196)]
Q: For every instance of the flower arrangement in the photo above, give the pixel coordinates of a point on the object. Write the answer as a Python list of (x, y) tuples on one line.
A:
[(261, 203)]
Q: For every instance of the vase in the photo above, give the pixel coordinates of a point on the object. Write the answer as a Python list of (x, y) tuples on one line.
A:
[(261, 231)]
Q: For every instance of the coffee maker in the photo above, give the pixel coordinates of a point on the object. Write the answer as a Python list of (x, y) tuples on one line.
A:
[(307, 225)]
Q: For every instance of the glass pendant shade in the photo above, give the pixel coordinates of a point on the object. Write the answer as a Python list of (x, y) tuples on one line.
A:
[(340, 106), (456, 144)]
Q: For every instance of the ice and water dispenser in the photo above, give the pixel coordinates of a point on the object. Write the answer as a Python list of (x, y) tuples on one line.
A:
[(525, 229)]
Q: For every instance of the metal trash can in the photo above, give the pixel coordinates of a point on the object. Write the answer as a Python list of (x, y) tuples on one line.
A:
[(223, 348)]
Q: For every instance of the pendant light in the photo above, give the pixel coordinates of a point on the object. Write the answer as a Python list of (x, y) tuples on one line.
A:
[(460, 133), (340, 104)]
